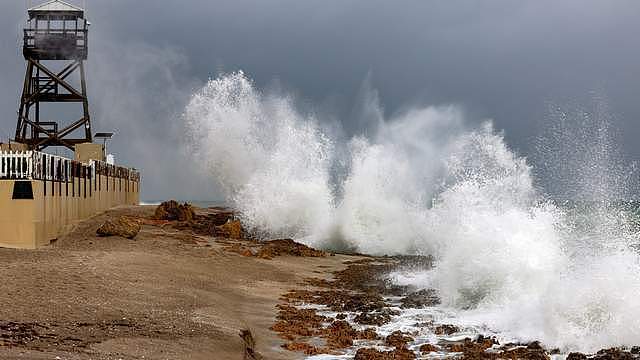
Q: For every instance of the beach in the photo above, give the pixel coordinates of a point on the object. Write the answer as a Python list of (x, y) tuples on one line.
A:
[(167, 294)]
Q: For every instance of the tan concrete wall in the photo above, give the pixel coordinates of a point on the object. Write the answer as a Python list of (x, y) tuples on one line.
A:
[(55, 209), (89, 151), (17, 228)]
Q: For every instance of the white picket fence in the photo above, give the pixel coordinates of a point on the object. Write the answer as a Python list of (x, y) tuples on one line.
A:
[(37, 165), (16, 164)]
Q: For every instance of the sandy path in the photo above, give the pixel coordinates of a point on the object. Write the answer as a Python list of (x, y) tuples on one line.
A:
[(161, 296)]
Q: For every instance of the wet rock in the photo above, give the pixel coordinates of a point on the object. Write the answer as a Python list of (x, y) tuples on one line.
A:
[(526, 353), (446, 329), (403, 354), (398, 339), (420, 299), (121, 226), (613, 354), (368, 334), (374, 354), (476, 349), (307, 349), (375, 318), (535, 345), (340, 335), (427, 348), (172, 210), (576, 356), (293, 322)]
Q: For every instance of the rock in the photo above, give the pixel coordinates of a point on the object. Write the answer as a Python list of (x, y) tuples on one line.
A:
[(526, 353), (368, 334), (122, 226), (421, 298), (340, 334), (293, 322), (576, 356), (280, 247), (446, 329), (172, 210), (307, 349), (427, 348), (398, 339), (376, 318), (613, 354), (535, 345), (374, 354), (232, 229)]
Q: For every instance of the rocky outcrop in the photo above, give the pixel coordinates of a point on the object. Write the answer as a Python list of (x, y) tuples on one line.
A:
[(280, 247), (232, 229), (172, 210), (121, 226)]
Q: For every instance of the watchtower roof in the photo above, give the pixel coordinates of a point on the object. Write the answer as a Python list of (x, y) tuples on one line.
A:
[(56, 7)]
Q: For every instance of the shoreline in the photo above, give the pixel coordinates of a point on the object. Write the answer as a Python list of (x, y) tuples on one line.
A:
[(167, 294), (194, 287)]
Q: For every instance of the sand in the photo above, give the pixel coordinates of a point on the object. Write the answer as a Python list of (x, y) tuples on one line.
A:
[(168, 294)]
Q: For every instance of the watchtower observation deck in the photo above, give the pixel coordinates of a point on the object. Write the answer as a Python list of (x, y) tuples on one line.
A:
[(56, 30)]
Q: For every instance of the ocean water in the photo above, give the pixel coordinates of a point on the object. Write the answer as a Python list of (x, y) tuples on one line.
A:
[(198, 203), (542, 249)]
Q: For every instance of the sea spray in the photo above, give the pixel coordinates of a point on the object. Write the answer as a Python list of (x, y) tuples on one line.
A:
[(507, 258), (271, 162)]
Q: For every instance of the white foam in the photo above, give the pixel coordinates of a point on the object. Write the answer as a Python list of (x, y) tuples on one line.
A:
[(507, 259)]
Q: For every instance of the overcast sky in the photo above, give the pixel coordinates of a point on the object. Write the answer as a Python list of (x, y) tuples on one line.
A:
[(504, 60)]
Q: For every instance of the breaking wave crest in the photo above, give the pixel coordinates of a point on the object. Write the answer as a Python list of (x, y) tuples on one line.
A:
[(424, 182)]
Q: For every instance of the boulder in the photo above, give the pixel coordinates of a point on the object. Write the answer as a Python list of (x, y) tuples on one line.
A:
[(121, 226), (232, 229), (172, 210)]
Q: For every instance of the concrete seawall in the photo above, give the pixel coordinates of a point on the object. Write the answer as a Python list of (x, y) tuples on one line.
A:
[(33, 211)]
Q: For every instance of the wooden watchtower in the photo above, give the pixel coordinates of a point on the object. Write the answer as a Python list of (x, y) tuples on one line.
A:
[(55, 37)]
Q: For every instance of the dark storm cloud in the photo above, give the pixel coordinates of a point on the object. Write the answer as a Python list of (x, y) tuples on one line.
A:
[(503, 60)]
